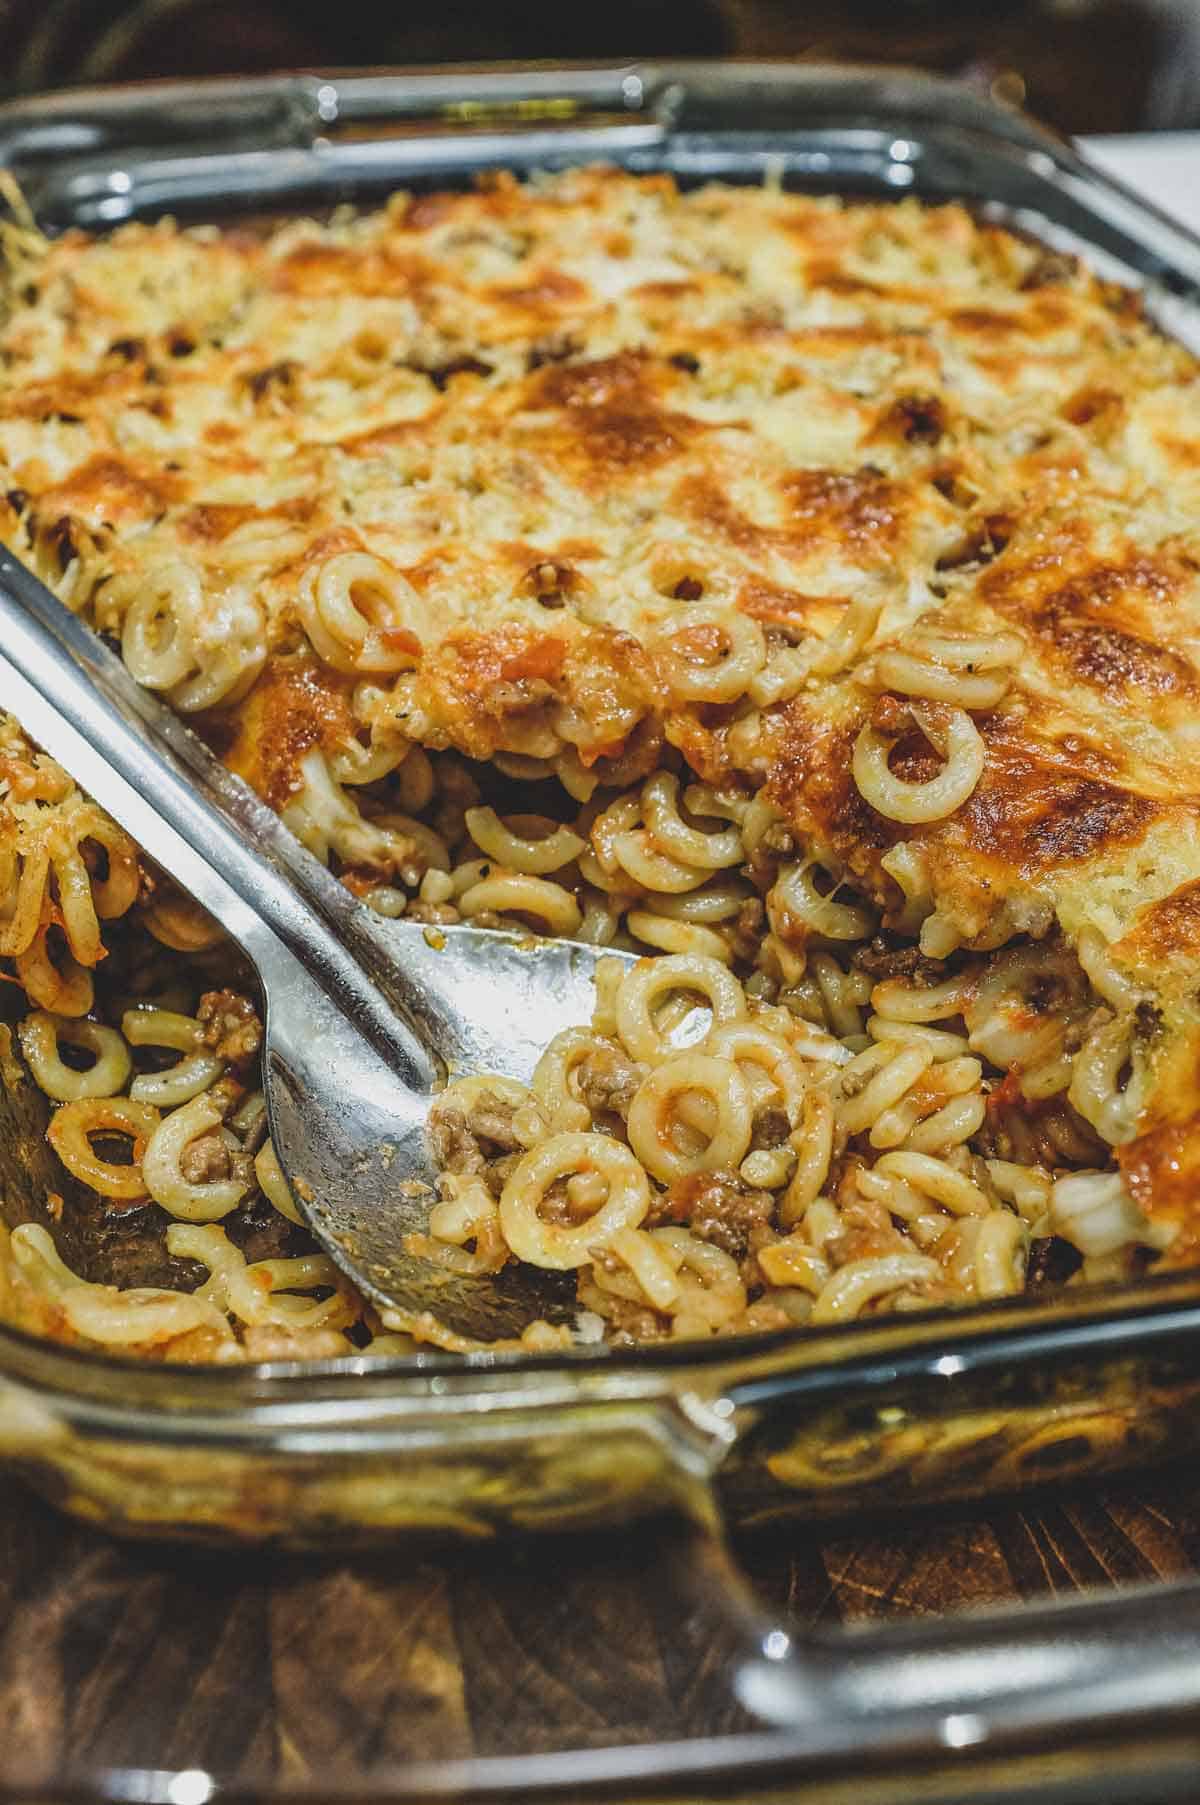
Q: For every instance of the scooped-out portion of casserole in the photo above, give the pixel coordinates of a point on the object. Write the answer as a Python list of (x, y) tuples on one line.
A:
[(804, 594)]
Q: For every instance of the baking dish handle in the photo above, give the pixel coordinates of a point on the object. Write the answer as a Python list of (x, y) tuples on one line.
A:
[(964, 1688)]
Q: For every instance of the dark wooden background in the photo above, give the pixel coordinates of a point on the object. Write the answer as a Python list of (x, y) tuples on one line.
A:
[(262, 1667)]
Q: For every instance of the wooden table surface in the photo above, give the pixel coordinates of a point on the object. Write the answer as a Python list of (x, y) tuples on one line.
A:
[(261, 1666)]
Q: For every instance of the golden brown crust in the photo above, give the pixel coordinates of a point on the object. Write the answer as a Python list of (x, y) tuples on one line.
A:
[(294, 706)]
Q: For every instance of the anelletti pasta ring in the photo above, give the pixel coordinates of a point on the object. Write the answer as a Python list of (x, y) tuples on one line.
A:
[(550, 1244), (70, 1134)]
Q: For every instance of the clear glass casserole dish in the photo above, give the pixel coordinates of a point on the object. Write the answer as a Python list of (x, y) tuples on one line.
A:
[(757, 1432)]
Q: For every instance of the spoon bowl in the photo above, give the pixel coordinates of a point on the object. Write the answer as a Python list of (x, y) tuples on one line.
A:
[(365, 1018)]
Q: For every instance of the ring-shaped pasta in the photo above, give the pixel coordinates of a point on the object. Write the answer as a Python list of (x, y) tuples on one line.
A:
[(948, 1127), (899, 800), (466, 1092), (1111, 984), (353, 763), (942, 1043), (672, 835), (653, 1118), (553, 1245), (854, 629), (532, 856), (1096, 1090), (185, 1199), (601, 923), (720, 900), (263, 1292), (230, 652), (863, 1282), (707, 657), (141, 1317), (194, 1072), (467, 1212), (355, 610), (655, 1276), (60, 984), (842, 993), (747, 1043), (896, 1000), (603, 825), (324, 819), (1001, 1251), (76, 904), (970, 670), (513, 893), (41, 1035), (937, 1179), (667, 935), (908, 865), (795, 892), (812, 1143), (115, 893), (27, 877), (651, 980), (641, 859), (178, 921), (712, 1294), (552, 1077), (158, 631), (70, 1134), (935, 1087), (888, 1071), (273, 1185)]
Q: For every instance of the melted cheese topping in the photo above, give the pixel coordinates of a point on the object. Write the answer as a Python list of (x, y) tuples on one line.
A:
[(558, 415)]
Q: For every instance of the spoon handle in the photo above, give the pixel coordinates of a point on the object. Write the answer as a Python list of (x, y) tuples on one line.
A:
[(200, 823)]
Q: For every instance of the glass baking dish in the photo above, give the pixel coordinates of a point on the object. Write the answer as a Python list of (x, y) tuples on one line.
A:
[(750, 1432)]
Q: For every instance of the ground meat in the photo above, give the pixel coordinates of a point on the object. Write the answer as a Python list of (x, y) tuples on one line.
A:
[(230, 1025), (607, 1079), (496, 1174), (225, 1095), (771, 1129), (206, 1160), (490, 1119), (718, 1207), (868, 1233), (628, 1323), (748, 930), (1052, 1261), (466, 1141), (455, 1149), (883, 960)]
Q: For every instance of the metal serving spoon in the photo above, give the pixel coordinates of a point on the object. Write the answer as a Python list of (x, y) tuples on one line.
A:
[(364, 1017)]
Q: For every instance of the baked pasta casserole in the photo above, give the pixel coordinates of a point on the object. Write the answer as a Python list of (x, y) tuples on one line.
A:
[(805, 595)]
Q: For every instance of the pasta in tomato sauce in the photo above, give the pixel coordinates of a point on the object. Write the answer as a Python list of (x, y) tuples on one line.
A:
[(798, 594)]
